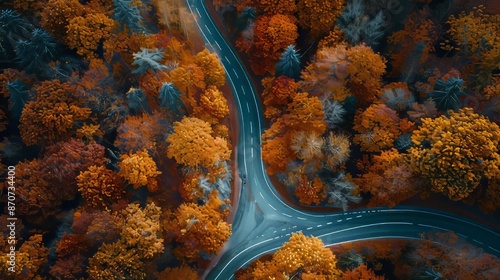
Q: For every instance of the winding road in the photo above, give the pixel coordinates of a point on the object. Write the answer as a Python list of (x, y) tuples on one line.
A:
[(263, 222)]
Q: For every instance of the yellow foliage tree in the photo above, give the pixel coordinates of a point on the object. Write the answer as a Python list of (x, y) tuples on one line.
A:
[(456, 151), (139, 169), (193, 145)]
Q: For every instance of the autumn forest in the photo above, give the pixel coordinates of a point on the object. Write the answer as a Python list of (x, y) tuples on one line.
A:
[(119, 132)]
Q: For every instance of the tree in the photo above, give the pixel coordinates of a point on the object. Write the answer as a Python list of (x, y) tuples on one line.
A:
[(278, 92), (272, 34), (86, 33), (141, 229), (192, 145), (100, 187), (307, 146), (341, 191), (34, 54), (213, 106), (309, 192), (318, 16), (305, 113), (276, 154), (198, 229), (361, 272), (128, 15), (139, 169), (148, 59), (455, 152), (307, 255), (52, 116), (214, 73), (365, 70), (289, 63), (170, 97)]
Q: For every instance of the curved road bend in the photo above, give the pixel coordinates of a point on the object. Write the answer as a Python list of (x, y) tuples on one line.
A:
[(263, 221)]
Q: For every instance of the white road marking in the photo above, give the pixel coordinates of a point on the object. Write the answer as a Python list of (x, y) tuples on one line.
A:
[(243, 90), (251, 141), (309, 228), (464, 236), (274, 231), (251, 149), (208, 30), (443, 229), (288, 234), (493, 249), (251, 127), (477, 241), (248, 108), (347, 219), (319, 225), (329, 223), (358, 216), (289, 216), (338, 221), (198, 12), (234, 70), (272, 207), (300, 218), (217, 43), (261, 195)]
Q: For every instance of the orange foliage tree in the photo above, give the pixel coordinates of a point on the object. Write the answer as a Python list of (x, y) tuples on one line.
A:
[(365, 70), (139, 169), (192, 145), (212, 106), (361, 272), (300, 253), (180, 272), (273, 7), (389, 179), (85, 33), (455, 152), (30, 257), (57, 14), (198, 228), (278, 92), (141, 229), (319, 16), (272, 35), (100, 187), (51, 117), (377, 127), (116, 260), (212, 68), (309, 192)]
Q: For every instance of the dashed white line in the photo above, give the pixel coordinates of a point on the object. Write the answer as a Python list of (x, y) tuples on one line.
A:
[(309, 228), (283, 229), (217, 43), (248, 107), (234, 70), (275, 231), (443, 229), (289, 216), (477, 241), (261, 195), (243, 90), (208, 30), (251, 141), (493, 249), (464, 236), (251, 149), (272, 207), (347, 219), (329, 223), (288, 234), (251, 127), (359, 216), (198, 12), (319, 225), (338, 221), (300, 218)]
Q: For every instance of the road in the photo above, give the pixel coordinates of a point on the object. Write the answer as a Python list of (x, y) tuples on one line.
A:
[(263, 221)]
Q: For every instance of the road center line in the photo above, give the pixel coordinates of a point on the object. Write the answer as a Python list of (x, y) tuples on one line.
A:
[(284, 214), (443, 229), (198, 12), (300, 218), (208, 30), (261, 195), (243, 90), (248, 107), (234, 70), (338, 221), (329, 223), (272, 207)]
